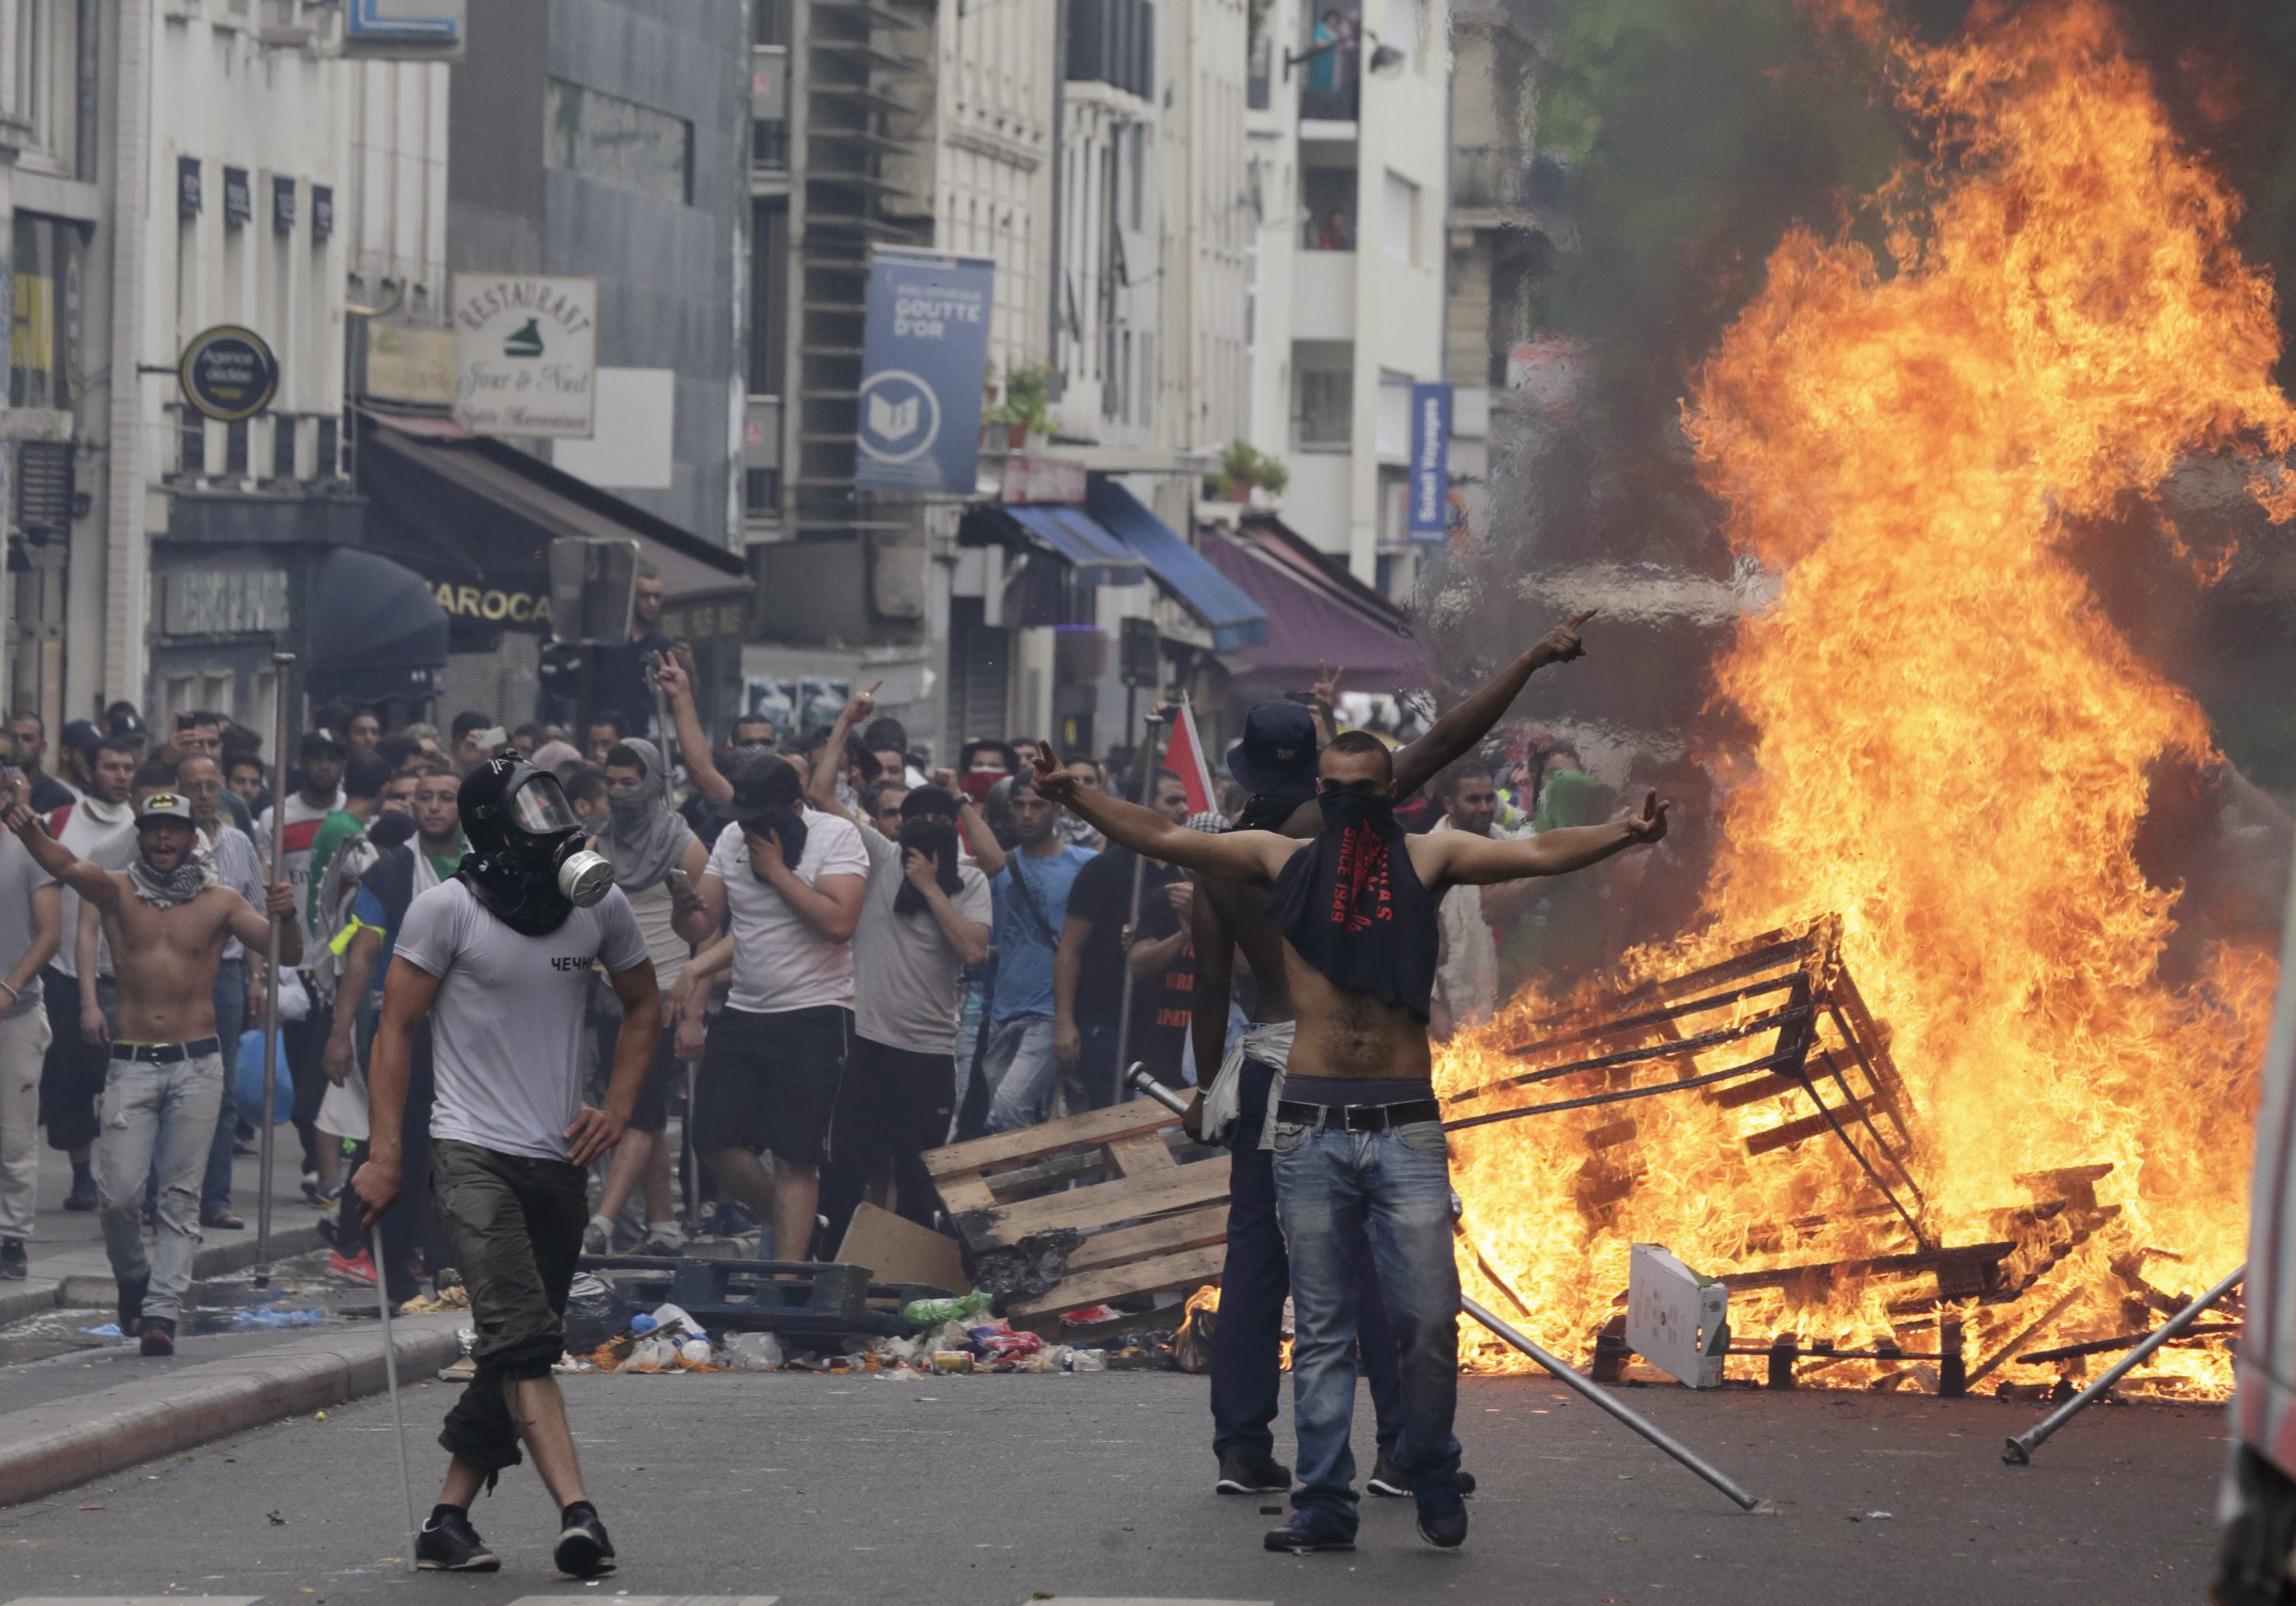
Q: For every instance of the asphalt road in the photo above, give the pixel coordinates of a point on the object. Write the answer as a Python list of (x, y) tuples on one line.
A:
[(989, 1490)]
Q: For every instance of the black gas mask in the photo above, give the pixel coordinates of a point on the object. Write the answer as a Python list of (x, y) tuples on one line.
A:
[(528, 861)]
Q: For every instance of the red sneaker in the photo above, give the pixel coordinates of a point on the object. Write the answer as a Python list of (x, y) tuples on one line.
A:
[(358, 1269)]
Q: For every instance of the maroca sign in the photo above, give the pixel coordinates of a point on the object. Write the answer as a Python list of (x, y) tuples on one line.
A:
[(493, 604), (228, 372), (526, 354)]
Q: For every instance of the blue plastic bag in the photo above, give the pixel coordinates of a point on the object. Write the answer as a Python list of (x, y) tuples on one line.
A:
[(247, 1085)]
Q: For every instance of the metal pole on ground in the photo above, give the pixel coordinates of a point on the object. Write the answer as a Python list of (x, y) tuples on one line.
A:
[(283, 667), (390, 1378), (1564, 1374), (2019, 1450)]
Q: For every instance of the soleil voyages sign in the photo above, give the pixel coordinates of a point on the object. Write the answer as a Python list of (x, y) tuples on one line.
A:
[(526, 354)]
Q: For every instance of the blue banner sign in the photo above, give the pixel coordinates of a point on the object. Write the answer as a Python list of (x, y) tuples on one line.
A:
[(1430, 468), (923, 361)]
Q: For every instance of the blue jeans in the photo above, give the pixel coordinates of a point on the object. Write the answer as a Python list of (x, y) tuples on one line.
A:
[(1021, 1070), (1333, 1188), (230, 1016), (157, 1121), (1248, 1343)]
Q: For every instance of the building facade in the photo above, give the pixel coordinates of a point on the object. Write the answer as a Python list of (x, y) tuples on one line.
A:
[(1351, 108)]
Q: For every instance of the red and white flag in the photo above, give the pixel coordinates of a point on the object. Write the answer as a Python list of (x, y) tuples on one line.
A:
[(1185, 758)]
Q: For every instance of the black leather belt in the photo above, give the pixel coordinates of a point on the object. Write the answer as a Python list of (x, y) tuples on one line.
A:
[(1359, 1117), (166, 1053)]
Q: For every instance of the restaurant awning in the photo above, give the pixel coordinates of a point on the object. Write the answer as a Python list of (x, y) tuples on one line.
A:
[(1234, 618), (475, 515), (1318, 613)]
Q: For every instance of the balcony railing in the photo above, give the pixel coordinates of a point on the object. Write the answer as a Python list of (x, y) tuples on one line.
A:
[(1503, 178)]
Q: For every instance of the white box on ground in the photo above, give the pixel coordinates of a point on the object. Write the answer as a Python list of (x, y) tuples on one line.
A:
[(1674, 1317)]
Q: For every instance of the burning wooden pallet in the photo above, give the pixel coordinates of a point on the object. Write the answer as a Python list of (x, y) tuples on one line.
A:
[(1112, 1202), (1787, 1000)]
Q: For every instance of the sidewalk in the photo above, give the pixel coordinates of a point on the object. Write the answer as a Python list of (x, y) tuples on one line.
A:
[(68, 1264)]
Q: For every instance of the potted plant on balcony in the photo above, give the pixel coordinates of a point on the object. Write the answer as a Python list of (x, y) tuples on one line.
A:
[(1026, 408), (1243, 467)]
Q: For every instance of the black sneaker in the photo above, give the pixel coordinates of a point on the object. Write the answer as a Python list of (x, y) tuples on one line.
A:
[(1443, 1520), (83, 1195), (1310, 1531), (14, 1265), (1242, 1472), (131, 1305), (159, 1336), (584, 1551), (451, 1545), (1388, 1480)]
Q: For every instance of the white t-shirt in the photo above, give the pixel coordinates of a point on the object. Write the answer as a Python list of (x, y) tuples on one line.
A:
[(780, 963), (107, 847), (908, 982), (303, 822), (507, 1024)]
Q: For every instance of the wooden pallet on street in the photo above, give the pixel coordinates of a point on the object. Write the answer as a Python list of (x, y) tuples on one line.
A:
[(1150, 1203)]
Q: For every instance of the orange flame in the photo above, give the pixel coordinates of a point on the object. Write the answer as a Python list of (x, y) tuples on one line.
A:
[(1954, 739)]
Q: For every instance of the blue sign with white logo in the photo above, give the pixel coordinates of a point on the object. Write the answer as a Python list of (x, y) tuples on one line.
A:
[(923, 361), (1430, 468)]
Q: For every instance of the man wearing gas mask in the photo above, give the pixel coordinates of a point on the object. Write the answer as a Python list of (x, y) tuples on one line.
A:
[(498, 960)]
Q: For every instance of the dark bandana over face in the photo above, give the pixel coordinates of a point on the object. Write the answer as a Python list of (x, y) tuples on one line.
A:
[(1352, 904)]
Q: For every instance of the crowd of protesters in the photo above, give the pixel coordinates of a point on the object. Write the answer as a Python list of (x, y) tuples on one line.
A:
[(863, 952)]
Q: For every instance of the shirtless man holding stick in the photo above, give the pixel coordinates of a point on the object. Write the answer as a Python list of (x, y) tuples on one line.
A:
[(166, 919), (1356, 1135)]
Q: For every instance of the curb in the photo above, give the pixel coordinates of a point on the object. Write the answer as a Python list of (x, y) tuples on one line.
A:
[(40, 1294), (44, 1448), (91, 1291)]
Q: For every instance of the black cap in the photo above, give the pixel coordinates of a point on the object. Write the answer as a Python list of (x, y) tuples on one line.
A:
[(1277, 750), (81, 735), (763, 785), (323, 740), (127, 722)]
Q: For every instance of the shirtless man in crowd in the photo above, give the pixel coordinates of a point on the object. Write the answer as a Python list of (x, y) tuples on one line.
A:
[(1276, 759), (166, 919), (1357, 1136)]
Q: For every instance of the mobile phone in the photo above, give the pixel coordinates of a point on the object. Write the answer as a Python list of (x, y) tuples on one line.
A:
[(680, 883)]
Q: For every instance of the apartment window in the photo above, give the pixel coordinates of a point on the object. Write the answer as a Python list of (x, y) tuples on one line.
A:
[(32, 18), (330, 435), (769, 270), (1323, 409), (191, 441), (283, 446), (1400, 234), (761, 493), (1136, 135), (235, 449), (43, 344), (772, 20), (617, 142), (769, 143)]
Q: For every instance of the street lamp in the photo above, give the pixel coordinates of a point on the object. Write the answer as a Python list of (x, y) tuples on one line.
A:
[(1385, 59)]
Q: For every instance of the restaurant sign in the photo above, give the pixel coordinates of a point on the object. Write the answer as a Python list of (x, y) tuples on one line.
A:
[(526, 351)]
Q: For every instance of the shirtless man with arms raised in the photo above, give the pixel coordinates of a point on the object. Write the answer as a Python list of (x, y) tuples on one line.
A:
[(1276, 759), (168, 920), (1357, 1140)]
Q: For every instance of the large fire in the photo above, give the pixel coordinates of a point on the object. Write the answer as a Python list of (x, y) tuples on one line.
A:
[(1953, 742)]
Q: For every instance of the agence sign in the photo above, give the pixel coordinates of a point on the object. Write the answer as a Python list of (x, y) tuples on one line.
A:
[(228, 372)]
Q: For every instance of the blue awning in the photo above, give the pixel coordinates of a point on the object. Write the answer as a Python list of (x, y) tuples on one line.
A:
[(1234, 618), (1100, 558)]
